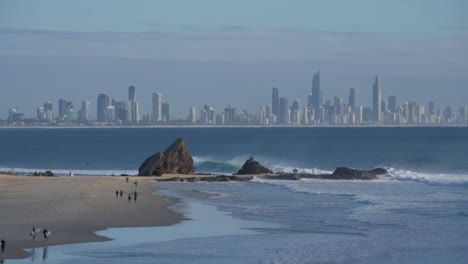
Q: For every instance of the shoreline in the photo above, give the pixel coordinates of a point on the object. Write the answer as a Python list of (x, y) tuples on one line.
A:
[(74, 208)]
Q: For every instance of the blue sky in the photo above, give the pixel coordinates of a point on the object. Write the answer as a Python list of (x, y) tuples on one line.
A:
[(76, 49)]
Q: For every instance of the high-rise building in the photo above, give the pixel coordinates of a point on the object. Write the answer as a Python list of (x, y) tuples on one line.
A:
[(275, 101), (49, 112), (166, 112), (157, 107), (316, 93), (134, 114), (192, 118), (352, 98), (121, 110), (432, 108), (131, 93), (85, 111), (295, 112), (62, 105), (262, 120), (284, 111), (40, 114), (392, 104), (103, 102), (376, 100), (229, 114), (208, 115)]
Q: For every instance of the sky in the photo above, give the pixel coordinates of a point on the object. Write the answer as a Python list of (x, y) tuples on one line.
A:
[(230, 52)]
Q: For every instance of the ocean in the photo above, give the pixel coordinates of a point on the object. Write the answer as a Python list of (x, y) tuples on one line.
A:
[(417, 213)]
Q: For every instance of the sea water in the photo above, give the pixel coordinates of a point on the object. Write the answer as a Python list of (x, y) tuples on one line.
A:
[(417, 213)]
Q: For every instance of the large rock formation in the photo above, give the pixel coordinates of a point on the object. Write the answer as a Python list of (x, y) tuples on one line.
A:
[(176, 159), (252, 166), (352, 174)]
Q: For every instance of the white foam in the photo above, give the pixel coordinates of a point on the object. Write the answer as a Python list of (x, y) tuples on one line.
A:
[(438, 178)]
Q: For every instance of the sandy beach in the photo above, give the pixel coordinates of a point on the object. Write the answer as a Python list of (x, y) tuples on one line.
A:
[(73, 208)]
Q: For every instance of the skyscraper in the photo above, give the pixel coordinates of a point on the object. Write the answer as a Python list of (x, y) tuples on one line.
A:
[(376, 100), (229, 114), (102, 105), (48, 111), (316, 93), (166, 112), (157, 107), (131, 93), (85, 111), (275, 101), (62, 105), (134, 113), (192, 115), (352, 98)]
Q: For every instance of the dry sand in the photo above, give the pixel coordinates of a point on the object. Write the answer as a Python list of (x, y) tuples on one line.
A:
[(73, 208)]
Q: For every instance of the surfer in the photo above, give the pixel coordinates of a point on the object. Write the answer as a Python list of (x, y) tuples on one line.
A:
[(33, 233), (46, 234), (3, 244)]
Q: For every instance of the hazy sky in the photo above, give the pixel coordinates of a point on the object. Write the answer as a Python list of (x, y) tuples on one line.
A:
[(221, 52)]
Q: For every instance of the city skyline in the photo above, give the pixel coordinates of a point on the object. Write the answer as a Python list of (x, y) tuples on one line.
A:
[(221, 51), (317, 111)]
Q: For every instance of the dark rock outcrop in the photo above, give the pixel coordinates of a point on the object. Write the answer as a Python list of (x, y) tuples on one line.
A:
[(47, 173), (351, 174), (252, 166), (176, 159)]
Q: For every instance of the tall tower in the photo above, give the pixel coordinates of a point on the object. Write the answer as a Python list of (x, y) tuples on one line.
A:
[(352, 98), (85, 111), (316, 93), (157, 107), (134, 114), (166, 112), (131, 93), (192, 115), (376, 100), (275, 102), (102, 105)]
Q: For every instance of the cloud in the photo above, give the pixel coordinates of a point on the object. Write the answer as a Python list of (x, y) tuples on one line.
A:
[(246, 44)]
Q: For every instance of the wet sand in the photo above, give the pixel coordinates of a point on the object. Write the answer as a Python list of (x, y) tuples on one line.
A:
[(73, 208)]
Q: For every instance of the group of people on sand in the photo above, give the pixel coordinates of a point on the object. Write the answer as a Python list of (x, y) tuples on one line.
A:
[(131, 194), (35, 231)]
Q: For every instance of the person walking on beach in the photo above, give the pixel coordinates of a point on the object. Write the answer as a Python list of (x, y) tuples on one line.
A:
[(3, 245), (135, 194), (116, 193), (33, 233), (129, 197), (121, 194), (136, 183), (127, 179), (46, 234)]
